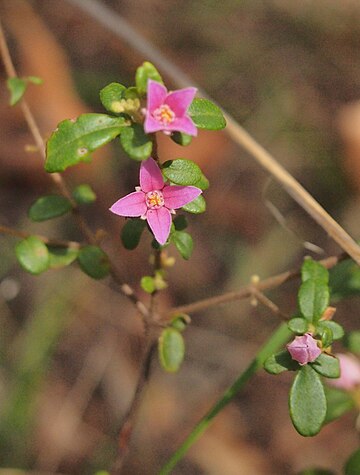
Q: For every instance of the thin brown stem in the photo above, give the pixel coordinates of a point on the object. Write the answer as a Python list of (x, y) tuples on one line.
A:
[(247, 290), (260, 297), (46, 240)]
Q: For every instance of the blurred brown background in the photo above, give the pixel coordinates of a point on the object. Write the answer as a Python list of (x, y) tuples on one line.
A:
[(69, 346)]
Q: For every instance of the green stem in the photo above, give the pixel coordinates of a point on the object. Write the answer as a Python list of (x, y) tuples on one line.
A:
[(277, 340)]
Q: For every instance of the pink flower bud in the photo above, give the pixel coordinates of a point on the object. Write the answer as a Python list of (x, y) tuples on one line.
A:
[(304, 349), (349, 372)]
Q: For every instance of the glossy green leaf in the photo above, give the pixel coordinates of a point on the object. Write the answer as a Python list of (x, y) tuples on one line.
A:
[(181, 139), (84, 194), (74, 140), (307, 402), (180, 222), (206, 115), (136, 143), (197, 206), (336, 329), (338, 403), (17, 88), (131, 233), (32, 255), (183, 243), (147, 283), (171, 349), (280, 362), (327, 366), (352, 342), (184, 172), (298, 325), (352, 466), (111, 95), (94, 262), (143, 73), (314, 270), (61, 256), (313, 299), (48, 207)]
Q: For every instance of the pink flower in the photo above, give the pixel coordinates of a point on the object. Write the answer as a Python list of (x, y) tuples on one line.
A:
[(349, 372), (167, 111), (304, 349), (153, 200)]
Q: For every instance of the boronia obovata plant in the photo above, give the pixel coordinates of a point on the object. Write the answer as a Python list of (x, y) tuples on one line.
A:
[(168, 193)]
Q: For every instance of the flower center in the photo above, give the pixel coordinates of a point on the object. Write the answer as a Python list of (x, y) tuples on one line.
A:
[(164, 115), (154, 199)]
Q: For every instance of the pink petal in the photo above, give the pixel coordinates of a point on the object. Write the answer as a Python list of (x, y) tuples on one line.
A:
[(150, 176), (156, 95), (183, 124), (131, 205), (160, 222), (178, 196), (152, 125), (179, 101)]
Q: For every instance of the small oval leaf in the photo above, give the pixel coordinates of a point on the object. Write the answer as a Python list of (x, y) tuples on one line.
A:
[(111, 95), (197, 206), (61, 256), (184, 172), (143, 73), (206, 115), (307, 402), (147, 283), (74, 141), (171, 349), (32, 255), (136, 143), (17, 88), (183, 243), (336, 329), (84, 194), (131, 233), (327, 365), (314, 270), (313, 299), (181, 139), (298, 325), (94, 262), (48, 207), (280, 362)]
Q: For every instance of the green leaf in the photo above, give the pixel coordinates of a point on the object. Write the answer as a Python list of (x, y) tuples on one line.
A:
[(327, 366), (352, 342), (94, 262), (345, 280), (326, 336), (181, 139), (74, 141), (336, 329), (307, 402), (136, 143), (338, 403), (183, 243), (17, 88), (48, 207), (61, 256), (32, 255), (131, 233), (143, 73), (280, 362), (184, 172), (180, 222), (111, 95), (84, 194), (314, 270), (35, 80), (206, 115), (352, 466), (180, 321), (298, 325), (313, 299), (171, 349), (197, 206), (147, 284)]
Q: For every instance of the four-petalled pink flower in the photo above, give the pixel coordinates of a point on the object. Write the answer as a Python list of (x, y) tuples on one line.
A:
[(168, 111), (304, 349), (154, 200)]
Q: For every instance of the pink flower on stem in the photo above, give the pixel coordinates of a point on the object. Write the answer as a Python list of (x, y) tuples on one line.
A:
[(304, 349), (167, 111), (153, 200), (349, 373)]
